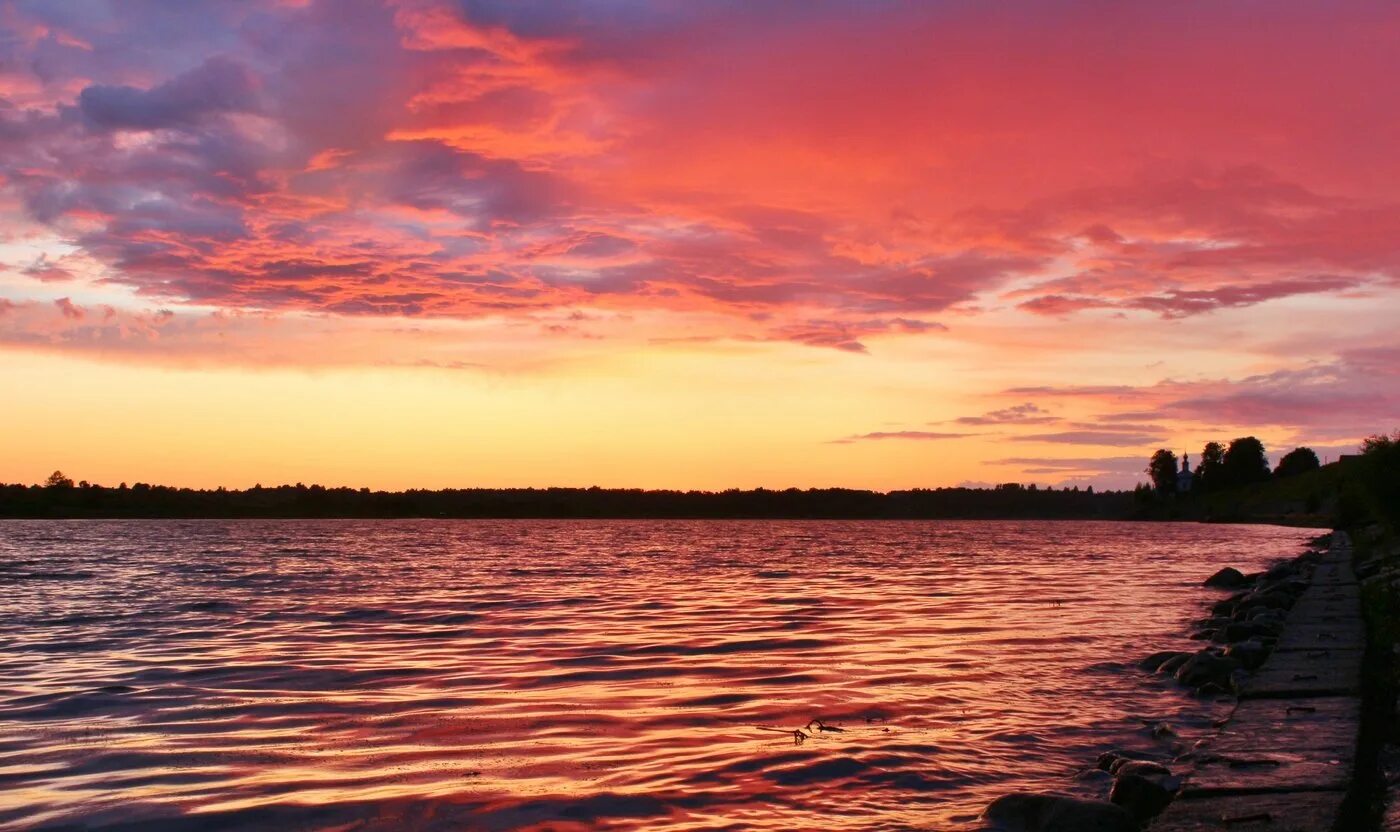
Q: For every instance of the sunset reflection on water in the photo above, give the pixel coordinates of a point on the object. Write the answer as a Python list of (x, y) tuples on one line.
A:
[(570, 675)]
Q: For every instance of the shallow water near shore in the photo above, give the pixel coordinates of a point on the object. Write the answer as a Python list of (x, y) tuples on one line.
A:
[(505, 675)]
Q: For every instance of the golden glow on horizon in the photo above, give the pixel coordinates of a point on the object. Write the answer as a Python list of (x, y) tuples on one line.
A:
[(664, 418)]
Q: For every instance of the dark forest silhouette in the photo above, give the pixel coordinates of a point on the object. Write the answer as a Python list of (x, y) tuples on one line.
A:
[(60, 496)]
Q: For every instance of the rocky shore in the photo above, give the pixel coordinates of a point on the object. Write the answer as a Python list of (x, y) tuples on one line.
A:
[(1288, 644)]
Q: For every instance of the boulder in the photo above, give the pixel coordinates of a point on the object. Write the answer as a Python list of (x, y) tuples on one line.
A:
[(1155, 661), (1250, 653), (1206, 667), (1227, 606), (1144, 796), (1142, 768), (1227, 578), (1251, 628), (1028, 812), (1174, 663), (1109, 759), (1276, 598), (1096, 777), (1266, 616)]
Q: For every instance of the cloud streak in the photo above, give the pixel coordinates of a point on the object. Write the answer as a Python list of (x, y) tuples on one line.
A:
[(914, 435)]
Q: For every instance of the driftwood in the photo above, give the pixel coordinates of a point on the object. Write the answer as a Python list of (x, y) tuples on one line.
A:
[(799, 735)]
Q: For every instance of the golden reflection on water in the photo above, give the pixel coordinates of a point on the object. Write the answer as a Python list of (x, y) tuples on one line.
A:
[(582, 675)]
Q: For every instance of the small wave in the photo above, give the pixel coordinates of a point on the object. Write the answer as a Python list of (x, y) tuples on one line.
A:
[(838, 768), (47, 576)]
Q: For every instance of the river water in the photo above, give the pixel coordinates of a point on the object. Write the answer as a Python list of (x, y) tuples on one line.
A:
[(558, 675)]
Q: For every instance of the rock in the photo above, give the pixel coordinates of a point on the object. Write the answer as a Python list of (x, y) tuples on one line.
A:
[(1142, 768), (1025, 812), (1109, 759), (1260, 615), (1206, 667), (1096, 777), (1244, 630), (1155, 661), (1290, 586), (1144, 796), (1250, 653), (1276, 598), (1227, 578), (1174, 663), (1162, 729), (1224, 607), (1227, 606)]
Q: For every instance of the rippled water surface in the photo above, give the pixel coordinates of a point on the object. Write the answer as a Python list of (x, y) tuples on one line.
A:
[(577, 675)]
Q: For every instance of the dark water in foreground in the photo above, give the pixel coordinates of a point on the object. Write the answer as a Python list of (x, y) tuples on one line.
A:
[(579, 675)]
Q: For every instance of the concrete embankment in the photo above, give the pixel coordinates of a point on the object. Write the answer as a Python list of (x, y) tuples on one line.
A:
[(1286, 757)]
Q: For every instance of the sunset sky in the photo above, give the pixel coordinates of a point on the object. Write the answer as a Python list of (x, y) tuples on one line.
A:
[(427, 243)]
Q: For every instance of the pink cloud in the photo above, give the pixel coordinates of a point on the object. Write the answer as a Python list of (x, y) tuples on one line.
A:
[(432, 159), (1021, 414), (915, 435), (1126, 439), (1346, 396), (69, 309)]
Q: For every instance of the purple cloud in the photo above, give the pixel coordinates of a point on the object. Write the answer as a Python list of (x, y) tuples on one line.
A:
[(219, 85), (1091, 437), (1021, 414)]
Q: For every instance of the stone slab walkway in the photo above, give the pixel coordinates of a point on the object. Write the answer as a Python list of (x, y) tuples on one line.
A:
[(1285, 758)]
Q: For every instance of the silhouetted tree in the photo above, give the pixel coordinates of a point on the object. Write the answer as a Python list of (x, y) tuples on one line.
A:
[(58, 480), (1380, 443), (1162, 468), (1209, 472), (1297, 461), (1380, 476), (1244, 463)]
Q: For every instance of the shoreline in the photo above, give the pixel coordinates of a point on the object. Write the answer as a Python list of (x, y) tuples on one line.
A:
[(1261, 521), (1287, 643)]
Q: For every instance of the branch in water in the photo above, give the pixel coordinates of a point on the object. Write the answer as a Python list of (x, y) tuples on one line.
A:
[(801, 734)]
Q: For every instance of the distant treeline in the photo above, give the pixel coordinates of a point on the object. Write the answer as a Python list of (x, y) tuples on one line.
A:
[(61, 497)]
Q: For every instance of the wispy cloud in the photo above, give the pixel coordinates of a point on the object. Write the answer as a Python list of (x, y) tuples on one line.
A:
[(917, 435), (1091, 437), (1021, 414)]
